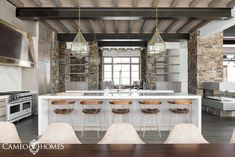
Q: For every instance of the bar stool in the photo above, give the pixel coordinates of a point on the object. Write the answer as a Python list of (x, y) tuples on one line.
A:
[(91, 108), (62, 107), (120, 108), (149, 108), (179, 108)]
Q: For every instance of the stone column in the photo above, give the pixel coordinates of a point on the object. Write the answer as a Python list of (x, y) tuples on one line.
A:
[(205, 61), (93, 76), (55, 64)]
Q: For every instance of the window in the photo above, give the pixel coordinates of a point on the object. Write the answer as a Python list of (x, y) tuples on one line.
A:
[(128, 68)]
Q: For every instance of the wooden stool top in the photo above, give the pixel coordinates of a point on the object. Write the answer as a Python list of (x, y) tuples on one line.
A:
[(150, 102), (91, 102), (180, 102), (121, 102), (62, 102)]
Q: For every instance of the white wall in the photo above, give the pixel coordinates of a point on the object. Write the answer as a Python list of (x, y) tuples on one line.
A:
[(10, 78)]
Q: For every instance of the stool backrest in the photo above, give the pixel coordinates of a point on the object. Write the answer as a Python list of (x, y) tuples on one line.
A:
[(121, 133), (61, 133), (8, 133)]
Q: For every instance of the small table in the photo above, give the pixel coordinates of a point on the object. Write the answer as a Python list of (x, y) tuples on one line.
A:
[(121, 150)]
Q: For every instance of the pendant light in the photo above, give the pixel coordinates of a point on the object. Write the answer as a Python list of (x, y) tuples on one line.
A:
[(156, 46), (79, 47)]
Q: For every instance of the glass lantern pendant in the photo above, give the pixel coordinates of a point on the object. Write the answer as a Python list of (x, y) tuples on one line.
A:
[(156, 46), (80, 47)]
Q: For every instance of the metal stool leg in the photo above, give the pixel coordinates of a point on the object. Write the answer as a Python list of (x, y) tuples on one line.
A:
[(97, 122), (158, 128)]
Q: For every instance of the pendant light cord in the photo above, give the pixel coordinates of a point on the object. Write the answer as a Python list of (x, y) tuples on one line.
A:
[(79, 14), (156, 15)]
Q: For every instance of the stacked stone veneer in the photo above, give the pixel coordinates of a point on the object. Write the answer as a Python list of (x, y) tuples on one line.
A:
[(61, 69), (205, 61)]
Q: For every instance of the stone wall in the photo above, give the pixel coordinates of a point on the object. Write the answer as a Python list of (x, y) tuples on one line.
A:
[(55, 65), (93, 75), (205, 61), (61, 69)]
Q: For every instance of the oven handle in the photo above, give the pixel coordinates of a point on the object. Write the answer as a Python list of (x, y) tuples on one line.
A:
[(19, 102)]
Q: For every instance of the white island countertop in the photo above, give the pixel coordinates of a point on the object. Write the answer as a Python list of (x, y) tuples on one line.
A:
[(46, 113)]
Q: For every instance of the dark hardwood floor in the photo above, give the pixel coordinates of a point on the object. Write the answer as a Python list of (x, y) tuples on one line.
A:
[(214, 129)]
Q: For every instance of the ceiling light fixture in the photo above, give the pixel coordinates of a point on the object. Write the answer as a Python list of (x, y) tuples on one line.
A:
[(79, 47), (156, 46)]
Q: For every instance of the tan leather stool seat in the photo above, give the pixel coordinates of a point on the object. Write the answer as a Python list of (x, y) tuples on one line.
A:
[(121, 110), (91, 102), (180, 102), (62, 102), (121, 102), (150, 102)]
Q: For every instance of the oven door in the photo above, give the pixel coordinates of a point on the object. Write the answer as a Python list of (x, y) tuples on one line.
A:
[(27, 107), (13, 111)]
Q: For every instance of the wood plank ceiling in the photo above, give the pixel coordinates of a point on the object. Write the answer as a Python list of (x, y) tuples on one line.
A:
[(125, 26)]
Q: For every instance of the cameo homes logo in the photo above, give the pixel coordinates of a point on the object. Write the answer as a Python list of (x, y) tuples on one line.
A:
[(33, 146)]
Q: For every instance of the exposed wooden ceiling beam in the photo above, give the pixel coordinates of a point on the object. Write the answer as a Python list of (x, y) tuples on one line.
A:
[(159, 25), (16, 3), (116, 25), (130, 26), (213, 3), (89, 26), (231, 3), (115, 3), (62, 26), (155, 3), (74, 24), (135, 3), (37, 3), (143, 26), (174, 3), (140, 36), (203, 23), (48, 26), (184, 26), (57, 3), (95, 3), (102, 25), (75, 3), (194, 3), (123, 13), (172, 24)]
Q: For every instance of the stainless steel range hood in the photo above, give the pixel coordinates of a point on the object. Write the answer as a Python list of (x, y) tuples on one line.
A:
[(16, 48)]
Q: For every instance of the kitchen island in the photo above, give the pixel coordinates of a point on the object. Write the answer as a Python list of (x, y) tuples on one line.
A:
[(45, 111)]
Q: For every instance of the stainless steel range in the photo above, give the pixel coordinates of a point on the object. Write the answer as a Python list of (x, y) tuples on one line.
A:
[(19, 105)]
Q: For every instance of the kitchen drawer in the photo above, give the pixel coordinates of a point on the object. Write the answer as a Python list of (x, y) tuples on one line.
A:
[(2, 102), (2, 111)]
